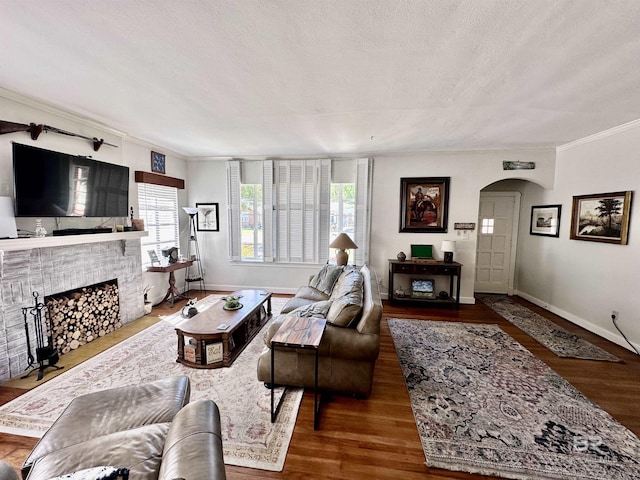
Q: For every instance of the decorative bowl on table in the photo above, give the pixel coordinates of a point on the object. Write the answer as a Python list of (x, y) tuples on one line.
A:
[(232, 302)]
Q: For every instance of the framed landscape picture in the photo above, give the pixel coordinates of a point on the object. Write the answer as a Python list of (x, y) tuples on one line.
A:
[(603, 217), (207, 217), (545, 220), (424, 204)]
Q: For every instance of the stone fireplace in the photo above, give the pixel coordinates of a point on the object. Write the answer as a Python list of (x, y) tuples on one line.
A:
[(61, 264)]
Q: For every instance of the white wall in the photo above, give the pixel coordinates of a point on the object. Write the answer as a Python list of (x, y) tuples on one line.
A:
[(584, 281), (469, 172), (130, 152)]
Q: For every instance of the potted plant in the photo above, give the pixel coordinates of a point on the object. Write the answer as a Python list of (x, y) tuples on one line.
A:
[(232, 302)]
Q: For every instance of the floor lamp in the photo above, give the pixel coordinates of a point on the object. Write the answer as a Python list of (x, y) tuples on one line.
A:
[(193, 239)]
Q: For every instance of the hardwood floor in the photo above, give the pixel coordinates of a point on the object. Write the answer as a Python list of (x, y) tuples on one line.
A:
[(377, 437)]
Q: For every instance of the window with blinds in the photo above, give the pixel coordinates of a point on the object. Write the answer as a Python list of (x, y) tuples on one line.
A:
[(158, 206), (296, 221)]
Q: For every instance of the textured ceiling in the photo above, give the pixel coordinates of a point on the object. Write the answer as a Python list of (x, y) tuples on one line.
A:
[(337, 76)]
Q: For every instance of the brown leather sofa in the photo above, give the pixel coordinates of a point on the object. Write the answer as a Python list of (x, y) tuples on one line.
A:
[(350, 344), (150, 429)]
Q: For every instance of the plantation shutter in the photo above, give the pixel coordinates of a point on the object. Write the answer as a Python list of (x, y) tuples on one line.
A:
[(233, 210), (268, 210), (324, 210), (362, 233), (158, 206), (302, 202)]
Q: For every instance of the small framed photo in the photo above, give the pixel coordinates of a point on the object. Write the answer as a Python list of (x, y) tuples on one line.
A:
[(207, 217), (158, 162), (153, 256), (602, 217), (545, 220), (424, 204)]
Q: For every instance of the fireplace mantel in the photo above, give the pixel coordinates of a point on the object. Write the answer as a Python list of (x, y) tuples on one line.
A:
[(65, 240)]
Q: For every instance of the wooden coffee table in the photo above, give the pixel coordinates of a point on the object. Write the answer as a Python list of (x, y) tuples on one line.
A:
[(204, 342)]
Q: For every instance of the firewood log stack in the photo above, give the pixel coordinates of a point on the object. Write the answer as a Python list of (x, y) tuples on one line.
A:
[(83, 315)]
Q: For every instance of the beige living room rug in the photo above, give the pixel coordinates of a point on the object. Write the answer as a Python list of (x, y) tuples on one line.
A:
[(249, 437)]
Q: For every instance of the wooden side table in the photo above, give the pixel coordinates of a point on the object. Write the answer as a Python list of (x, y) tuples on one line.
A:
[(173, 293), (298, 332)]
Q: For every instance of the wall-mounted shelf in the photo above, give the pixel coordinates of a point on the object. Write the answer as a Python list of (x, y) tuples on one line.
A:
[(64, 240)]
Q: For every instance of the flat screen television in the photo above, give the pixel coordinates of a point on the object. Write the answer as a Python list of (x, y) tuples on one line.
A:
[(53, 184)]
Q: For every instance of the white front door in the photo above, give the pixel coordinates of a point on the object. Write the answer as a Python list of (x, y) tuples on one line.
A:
[(497, 235)]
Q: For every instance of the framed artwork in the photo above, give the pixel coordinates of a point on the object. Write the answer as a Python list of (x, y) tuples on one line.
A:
[(603, 217), (158, 162), (424, 204), (207, 217), (545, 220)]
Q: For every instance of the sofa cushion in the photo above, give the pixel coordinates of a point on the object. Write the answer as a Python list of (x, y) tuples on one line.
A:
[(138, 449), (347, 282), (110, 411), (347, 298), (304, 296), (317, 309), (97, 473), (326, 278)]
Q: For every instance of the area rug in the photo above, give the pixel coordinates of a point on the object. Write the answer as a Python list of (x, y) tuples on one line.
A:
[(249, 437), (552, 336), (484, 404)]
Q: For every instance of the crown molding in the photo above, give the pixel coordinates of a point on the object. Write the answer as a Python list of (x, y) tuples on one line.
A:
[(599, 136), (54, 110)]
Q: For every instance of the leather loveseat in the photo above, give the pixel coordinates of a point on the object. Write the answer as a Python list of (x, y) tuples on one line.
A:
[(149, 429), (351, 341)]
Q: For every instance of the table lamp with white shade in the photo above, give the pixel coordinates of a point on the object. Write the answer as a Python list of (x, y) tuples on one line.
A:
[(448, 247), (342, 242)]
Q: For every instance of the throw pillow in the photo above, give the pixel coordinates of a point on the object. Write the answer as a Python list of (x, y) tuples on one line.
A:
[(97, 473), (326, 278), (344, 310), (317, 309)]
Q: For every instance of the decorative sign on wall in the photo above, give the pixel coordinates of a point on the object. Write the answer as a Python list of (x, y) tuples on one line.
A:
[(518, 165), (464, 226)]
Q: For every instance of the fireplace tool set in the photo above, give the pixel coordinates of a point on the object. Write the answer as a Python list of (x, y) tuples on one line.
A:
[(46, 355)]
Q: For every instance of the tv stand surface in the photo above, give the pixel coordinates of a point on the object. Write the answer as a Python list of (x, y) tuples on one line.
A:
[(80, 231)]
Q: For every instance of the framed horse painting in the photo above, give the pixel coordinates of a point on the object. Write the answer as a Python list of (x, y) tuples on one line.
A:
[(424, 204)]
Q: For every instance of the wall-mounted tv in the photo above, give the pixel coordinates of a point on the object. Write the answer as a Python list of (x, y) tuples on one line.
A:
[(53, 184)]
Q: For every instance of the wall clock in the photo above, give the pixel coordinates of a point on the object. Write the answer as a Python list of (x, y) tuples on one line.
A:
[(158, 162)]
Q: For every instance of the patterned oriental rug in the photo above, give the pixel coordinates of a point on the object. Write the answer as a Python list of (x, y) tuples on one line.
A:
[(560, 341), (484, 404), (249, 437)]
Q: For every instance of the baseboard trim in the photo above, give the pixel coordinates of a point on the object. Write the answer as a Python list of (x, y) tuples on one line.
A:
[(233, 288), (581, 322)]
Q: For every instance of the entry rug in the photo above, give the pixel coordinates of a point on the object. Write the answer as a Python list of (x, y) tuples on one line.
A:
[(557, 339), (249, 437), (484, 404)]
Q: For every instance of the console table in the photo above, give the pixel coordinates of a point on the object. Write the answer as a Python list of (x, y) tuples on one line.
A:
[(173, 293), (421, 269)]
